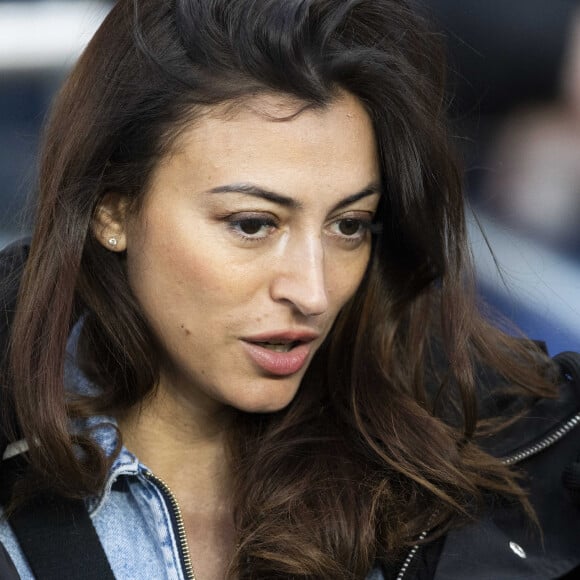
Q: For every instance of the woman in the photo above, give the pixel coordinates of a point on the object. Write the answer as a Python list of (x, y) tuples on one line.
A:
[(245, 335)]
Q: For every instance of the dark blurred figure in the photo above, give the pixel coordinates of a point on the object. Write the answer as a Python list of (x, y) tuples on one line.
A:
[(503, 52), (515, 83)]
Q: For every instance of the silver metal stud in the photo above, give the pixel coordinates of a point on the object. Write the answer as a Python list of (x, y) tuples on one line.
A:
[(518, 550)]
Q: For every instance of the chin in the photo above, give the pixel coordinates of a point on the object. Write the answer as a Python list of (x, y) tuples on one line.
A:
[(266, 399)]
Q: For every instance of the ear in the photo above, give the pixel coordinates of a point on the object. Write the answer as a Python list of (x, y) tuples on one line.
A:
[(110, 222)]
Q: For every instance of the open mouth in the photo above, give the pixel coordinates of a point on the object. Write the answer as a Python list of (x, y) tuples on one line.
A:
[(280, 355), (279, 346)]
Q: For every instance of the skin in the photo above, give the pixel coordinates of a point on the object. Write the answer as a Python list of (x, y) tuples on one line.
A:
[(210, 268)]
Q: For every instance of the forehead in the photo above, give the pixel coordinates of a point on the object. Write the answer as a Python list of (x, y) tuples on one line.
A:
[(279, 141)]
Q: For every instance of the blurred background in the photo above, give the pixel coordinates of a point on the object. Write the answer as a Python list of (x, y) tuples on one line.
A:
[(514, 86), (39, 42)]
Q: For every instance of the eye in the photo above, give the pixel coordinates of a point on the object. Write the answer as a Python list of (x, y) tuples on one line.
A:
[(351, 229), (252, 227), (349, 226)]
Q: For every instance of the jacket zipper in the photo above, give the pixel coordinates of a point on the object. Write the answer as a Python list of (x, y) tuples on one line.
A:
[(530, 451), (181, 537), (410, 557), (546, 442)]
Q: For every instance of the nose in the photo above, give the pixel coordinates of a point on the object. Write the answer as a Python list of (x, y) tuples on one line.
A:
[(300, 277)]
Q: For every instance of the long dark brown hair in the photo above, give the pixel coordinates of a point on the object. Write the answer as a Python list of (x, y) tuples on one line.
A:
[(378, 445)]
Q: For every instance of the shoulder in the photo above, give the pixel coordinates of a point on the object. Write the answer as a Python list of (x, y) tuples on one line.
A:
[(546, 422), (14, 254), (12, 260), (544, 445)]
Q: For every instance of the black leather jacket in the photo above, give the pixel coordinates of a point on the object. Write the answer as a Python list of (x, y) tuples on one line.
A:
[(545, 447)]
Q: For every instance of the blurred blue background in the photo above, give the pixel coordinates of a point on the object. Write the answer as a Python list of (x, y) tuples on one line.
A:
[(514, 90)]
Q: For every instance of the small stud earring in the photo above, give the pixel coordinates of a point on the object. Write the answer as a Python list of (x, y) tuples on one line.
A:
[(112, 242)]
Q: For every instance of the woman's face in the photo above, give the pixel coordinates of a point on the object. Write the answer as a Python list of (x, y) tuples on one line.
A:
[(251, 238)]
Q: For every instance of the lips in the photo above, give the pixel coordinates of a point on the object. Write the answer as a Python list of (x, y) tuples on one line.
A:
[(282, 353)]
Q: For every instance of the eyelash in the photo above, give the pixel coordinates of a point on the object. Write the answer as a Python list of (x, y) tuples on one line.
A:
[(235, 223), (237, 220), (364, 226)]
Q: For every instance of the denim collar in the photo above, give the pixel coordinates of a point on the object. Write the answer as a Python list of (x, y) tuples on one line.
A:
[(103, 428)]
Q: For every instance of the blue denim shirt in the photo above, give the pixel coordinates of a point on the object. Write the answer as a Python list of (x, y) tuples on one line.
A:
[(133, 520), (132, 516)]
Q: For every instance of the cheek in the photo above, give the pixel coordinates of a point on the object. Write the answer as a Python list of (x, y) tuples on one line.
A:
[(346, 277), (186, 287), (167, 255)]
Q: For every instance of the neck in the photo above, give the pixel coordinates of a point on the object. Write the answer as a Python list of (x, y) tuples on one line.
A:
[(183, 443)]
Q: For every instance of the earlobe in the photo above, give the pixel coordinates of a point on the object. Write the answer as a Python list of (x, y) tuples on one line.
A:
[(110, 222)]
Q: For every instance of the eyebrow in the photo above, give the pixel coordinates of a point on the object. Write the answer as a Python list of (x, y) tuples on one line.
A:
[(285, 201)]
